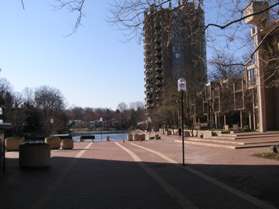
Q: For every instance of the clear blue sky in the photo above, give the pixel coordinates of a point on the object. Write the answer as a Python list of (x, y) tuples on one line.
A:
[(93, 67)]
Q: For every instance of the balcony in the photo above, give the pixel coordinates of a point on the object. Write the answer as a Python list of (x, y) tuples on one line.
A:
[(157, 91), (158, 62), (159, 83), (147, 85), (147, 65), (158, 77), (158, 47), (147, 71), (157, 98), (158, 55), (158, 70), (158, 38)]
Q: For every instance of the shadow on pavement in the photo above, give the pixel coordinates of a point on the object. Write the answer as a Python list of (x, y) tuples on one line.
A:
[(95, 183)]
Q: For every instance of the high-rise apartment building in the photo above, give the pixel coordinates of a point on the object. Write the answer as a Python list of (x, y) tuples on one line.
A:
[(156, 54), (174, 47)]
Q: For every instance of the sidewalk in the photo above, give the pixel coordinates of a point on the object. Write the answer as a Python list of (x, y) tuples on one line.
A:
[(237, 168), (102, 176)]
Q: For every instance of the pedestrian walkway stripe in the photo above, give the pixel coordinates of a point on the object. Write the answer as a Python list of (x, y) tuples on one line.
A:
[(39, 204), (182, 201), (247, 197)]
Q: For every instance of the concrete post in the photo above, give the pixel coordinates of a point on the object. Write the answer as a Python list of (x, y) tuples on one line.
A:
[(260, 84)]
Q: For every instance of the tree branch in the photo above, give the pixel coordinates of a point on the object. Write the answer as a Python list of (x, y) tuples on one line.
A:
[(240, 19)]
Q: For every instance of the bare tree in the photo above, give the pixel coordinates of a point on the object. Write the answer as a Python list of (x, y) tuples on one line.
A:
[(122, 107), (226, 25), (51, 102), (225, 66), (73, 6)]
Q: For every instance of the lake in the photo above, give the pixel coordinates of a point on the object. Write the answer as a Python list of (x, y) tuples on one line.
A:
[(101, 137)]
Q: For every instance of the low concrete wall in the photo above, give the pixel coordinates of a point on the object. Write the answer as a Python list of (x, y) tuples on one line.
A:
[(34, 155), (200, 133)]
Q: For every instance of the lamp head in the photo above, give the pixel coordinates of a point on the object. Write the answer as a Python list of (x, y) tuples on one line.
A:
[(181, 85)]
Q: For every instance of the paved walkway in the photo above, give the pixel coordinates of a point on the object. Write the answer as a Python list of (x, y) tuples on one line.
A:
[(142, 175)]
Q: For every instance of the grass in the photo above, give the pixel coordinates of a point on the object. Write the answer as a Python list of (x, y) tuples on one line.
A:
[(268, 155)]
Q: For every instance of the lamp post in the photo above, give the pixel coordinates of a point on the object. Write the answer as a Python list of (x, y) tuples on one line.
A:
[(2, 148), (101, 121), (181, 86), (51, 121)]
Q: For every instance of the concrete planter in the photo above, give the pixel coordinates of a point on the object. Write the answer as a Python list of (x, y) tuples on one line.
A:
[(157, 137), (130, 137), (35, 155), (187, 133), (12, 143), (139, 137), (207, 134), (53, 141), (67, 144)]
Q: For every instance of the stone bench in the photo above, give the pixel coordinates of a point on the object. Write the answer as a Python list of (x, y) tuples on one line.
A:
[(34, 155), (12, 143), (53, 141)]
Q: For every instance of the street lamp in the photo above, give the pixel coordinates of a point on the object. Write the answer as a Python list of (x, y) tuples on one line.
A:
[(2, 148), (101, 121), (1, 114), (181, 86), (51, 121)]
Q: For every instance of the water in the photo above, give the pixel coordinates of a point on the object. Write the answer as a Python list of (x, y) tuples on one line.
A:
[(102, 137)]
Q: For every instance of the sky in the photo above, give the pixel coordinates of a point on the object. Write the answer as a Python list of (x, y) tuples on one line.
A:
[(94, 67)]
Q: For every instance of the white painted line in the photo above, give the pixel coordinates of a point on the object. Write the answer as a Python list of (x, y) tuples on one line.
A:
[(238, 193), (156, 153), (51, 188), (181, 200), (81, 153)]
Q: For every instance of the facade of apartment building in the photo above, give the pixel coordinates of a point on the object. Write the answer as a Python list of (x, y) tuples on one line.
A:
[(156, 55), (265, 65), (252, 101)]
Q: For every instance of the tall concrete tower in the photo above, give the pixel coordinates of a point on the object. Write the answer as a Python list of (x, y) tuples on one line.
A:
[(174, 46)]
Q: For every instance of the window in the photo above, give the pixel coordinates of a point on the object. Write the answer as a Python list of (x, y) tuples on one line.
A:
[(177, 55), (251, 76)]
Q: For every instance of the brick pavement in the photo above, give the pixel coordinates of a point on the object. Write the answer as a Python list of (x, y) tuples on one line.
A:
[(237, 168), (106, 177)]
